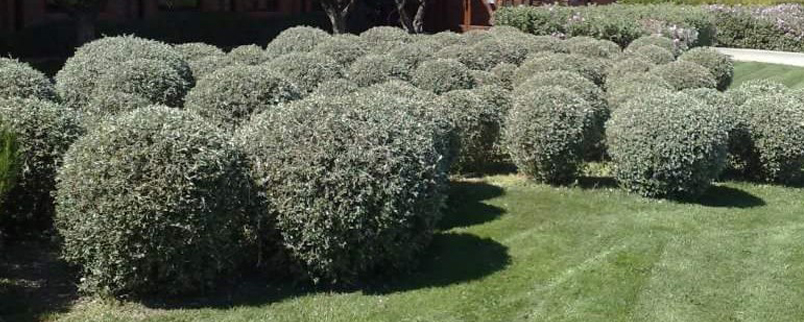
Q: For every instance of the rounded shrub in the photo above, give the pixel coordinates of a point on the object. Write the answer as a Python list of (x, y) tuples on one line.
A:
[(588, 46), (401, 88), (382, 40), (413, 54), (666, 145), (457, 52), (622, 93), (336, 87), (296, 39), (500, 100), (683, 75), (628, 66), (482, 78), (373, 69), (486, 54), (658, 41), (44, 131), (477, 126), (505, 72), (613, 83), (591, 68), (544, 134), (654, 54), (148, 78), (307, 70), (344, 49), (106, 104), (776, 127), (196, 50), (448, 38), (205, 66), (354, 183), (18, 79), (76, 82), (475, 36), (231, 95), (155, 201), (755, 87), (720, 65), (9, 168), (442, 75), (248, 55)]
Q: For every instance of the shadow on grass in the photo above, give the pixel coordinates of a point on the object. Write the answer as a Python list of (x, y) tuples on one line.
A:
[(727, 197), (34, 282), (465, 207)]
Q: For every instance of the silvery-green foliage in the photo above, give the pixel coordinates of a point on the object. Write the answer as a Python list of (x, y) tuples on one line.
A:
[(448, 38), (486, 54), (666, 144), (403, 89), (204, 66), (76, 82), (44, 131), (197, 50), (741, 155), (356, 186), (105, 104), (498, 99), (476, 124), (653, 54), (545, 133), (382, 40), (336, 87), (475, 36), (415, 53), (755, 87), (505, 72), (154, 201), (720, 65), (482, 78), (457, 52), (148, 78), (18, 79), (307, 70), (659, 41), (373, 69), (613, 83), (296, 39), (344, 49), (623, 92), (249, 55), (591, 68), (628, 66), (776, 127), (683, 75), (588, 46), (442, 75), (232, 95)]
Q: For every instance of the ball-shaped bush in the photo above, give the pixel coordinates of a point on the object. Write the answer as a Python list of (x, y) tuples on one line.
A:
[(231, 95), (498, 99), (720, 65), (156, 201), (544, 134), (148, 78), (355, 186), (344, 49), (373, 69), (110, 104), (76, 82), (475, 36), (591, 68), (754, 88), (296, 39), (448, 38), (381, 40), (457, 52), (666, 145), (336, 87), (658, 41), (653, 54), (627, 67), (197, 50), (307, 70), (204, 66), (18, 79), (592, 47), (776, 127), (442, 75), (622, 93), (683, 75), (413, 54), (482, 78), (44, 131), (249, 55), (505, 72), (477, 125), (613, 83), (401, 88), (490, 52)]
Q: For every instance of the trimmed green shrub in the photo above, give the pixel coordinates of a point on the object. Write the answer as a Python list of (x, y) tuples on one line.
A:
[(486, 54), (628, 66), (76, 82), (754, 88), (654, 54), (344, 49), (622, 93), (448, 38), (545, 133), (666, 145), (530, 20), (613, 83), (413, 54), (9, 166), (147, 78), (776, 127), (475, 36), (659, 41), (720, 65), (442, 75), (336, 87), (196, 50), (684, 75), (591, 68), (231, 95), (477, 126), (482, 78), (44, 131), (296, 39), (498, 99), (355, 184), (154, 201), (587, 46), (382, 40), (307, 70), (18, 79), (249, 55), (457, 52), (373, 69), (109, 104), (505, 72), (205, 66), (739, 29), (402, 89)]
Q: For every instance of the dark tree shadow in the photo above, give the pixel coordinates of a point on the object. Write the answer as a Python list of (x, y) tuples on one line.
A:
[(34, 282), (465, 207), (596, 183), (727, 197)]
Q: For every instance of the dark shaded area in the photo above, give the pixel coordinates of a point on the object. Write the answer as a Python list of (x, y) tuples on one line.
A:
[(34, 282), (597, 183), (727, 197), (465, 207)]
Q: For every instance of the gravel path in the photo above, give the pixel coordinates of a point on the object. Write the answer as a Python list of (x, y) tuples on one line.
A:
[(764, 56)]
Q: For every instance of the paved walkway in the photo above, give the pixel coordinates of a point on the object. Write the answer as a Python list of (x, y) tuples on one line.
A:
[(764, 56)]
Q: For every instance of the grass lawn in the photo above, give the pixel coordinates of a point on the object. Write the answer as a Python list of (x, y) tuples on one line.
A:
[(791, 76), (512, 250)]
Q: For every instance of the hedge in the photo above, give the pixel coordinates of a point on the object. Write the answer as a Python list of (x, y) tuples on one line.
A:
[(442, 75), (591, 68), (373, 69), (477, 125), (776, 127), (684, 74), (344, 49), (18, 79), (249, 55), (195, 51), (720, 65), (296, 39), (147, 78), (653, 54), (307, 70)]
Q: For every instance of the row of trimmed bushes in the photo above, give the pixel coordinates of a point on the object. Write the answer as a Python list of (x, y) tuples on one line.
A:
[(776, 27)]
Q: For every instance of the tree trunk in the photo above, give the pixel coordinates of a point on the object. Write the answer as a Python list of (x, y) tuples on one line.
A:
[(338, 22), (418, 20), (404, 17), (338, 12), (85, 27)]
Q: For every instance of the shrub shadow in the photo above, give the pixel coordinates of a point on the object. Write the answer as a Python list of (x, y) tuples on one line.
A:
[(727, 197), (34, 282), (591, 183), (465, 207)]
